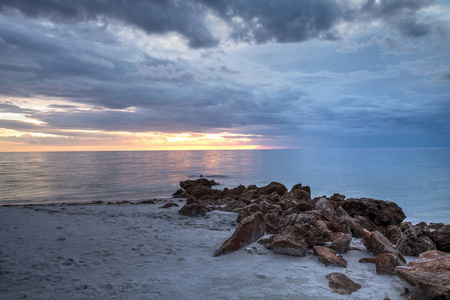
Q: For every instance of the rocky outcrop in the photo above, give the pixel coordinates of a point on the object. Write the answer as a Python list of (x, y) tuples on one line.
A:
[(377, 243), (414, 239), (250, 230), (341, 284), (328, 257), (193, 210), (186, 184), (380, 212), (441, 238), (429, 274)]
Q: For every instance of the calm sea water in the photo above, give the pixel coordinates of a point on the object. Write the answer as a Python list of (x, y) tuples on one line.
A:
[(418, 179)]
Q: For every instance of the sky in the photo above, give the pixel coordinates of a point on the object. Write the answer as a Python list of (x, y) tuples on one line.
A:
[(223, 74)]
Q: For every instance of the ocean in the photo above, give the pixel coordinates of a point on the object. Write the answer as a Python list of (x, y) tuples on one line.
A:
[(417, 179)]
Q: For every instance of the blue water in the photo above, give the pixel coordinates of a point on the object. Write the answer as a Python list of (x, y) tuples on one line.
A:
[(418, 179)]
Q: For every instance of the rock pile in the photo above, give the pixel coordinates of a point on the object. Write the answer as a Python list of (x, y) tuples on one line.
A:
[(298, 222)]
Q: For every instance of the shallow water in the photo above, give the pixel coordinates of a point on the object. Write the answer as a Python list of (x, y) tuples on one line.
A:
[(418, 179)]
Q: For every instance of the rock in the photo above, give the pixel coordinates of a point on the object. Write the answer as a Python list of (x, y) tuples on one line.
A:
[(193, 210), (371, 260), (365, 223), (377, 243), (306, 189), (430, 274), (248, 211), (277, 187), (315, 233), (287, 244), (249, 231), (386, 264), (328, 256), (169, 205), (202, 181), (337, 197), (201, 192), (414, 239), (326, 207), (380, 212), (304, 206), (272, 221), (342, 243), (441, 237), (252, 187), (298, 194), (393, 234), (436, 225), (180, 193), (342, 284), (237, 191)]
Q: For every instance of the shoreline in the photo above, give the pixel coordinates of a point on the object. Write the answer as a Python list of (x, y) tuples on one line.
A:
[(142, 251)]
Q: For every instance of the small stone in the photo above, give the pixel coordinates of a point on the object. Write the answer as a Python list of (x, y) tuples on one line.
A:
[(328, 256), (169, 205), (342, 284), (342, 243)]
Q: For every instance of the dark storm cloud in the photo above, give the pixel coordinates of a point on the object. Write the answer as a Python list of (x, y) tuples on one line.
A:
[(250, 20), (281, 21), (295, 21), (400, 14), (156, 16)]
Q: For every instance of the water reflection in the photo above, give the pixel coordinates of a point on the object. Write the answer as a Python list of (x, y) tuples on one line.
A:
[(418, 179)]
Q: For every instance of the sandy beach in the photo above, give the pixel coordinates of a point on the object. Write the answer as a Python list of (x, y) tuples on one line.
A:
[(143, 251)]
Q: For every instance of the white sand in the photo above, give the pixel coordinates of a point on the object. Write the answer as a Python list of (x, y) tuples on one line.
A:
[(144, 252)]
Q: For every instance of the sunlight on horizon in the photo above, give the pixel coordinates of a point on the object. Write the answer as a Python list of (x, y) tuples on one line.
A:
[(96, 140)]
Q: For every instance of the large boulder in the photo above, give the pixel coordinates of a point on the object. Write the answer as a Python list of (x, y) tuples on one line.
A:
[(277, 187), (328, 257), (250, 230), (380, 212), (441, 237), (414, 239), (341, 284), (430, 274), (377, 243)]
